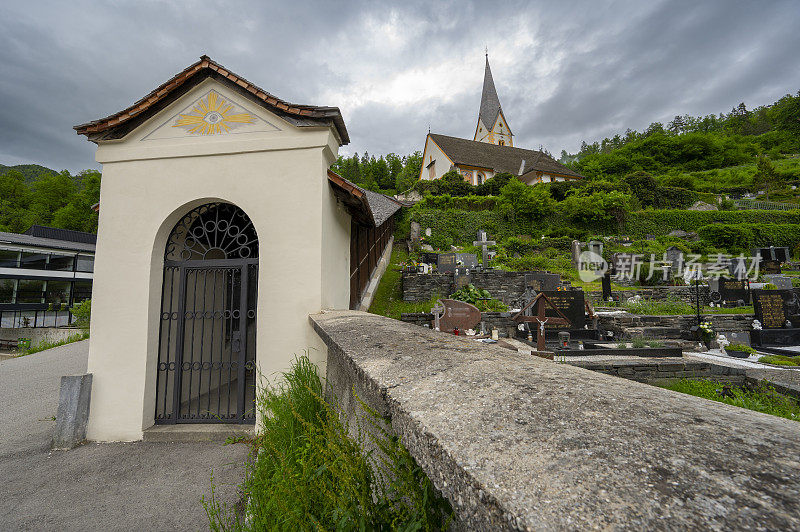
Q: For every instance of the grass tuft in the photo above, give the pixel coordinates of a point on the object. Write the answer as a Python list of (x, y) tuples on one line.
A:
[(780, 360), (307, 473), (763, 398)]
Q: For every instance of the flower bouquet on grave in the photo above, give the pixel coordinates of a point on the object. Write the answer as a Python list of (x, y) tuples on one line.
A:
[(706, 333)]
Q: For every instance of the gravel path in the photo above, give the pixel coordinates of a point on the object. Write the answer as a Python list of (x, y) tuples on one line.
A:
[(120, 486)]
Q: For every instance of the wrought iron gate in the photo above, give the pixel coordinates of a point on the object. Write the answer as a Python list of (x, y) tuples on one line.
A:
[(206, 364)]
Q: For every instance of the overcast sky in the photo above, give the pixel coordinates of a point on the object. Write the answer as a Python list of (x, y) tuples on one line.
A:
[(565, 72)]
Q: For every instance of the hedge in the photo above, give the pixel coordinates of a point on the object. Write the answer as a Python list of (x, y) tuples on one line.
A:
[(468, 203), (661, 222), (747, 236)]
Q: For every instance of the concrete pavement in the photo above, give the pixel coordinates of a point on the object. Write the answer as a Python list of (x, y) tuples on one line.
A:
[(120, 486)]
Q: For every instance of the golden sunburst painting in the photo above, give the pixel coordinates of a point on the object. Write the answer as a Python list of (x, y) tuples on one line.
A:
[(213, 116)]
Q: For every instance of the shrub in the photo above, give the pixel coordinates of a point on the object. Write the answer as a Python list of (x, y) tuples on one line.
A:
[(732, 236), (83, 313)]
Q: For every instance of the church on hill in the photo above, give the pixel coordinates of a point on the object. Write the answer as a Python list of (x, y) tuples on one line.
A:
[(491, 150)]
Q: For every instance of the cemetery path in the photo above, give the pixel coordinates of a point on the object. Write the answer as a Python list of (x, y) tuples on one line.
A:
[(119, 486)]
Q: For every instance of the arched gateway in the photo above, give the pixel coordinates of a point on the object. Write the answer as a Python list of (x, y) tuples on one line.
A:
[(206, 353)]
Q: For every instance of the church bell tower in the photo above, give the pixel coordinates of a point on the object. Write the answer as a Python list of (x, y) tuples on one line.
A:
[(492, 126)]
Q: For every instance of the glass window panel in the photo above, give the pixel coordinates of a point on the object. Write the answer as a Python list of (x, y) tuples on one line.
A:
[(85, 264), (57, 292), (30, 291), (8, 259), (34, 261), (82, 290), (62, 263), (7, 290)]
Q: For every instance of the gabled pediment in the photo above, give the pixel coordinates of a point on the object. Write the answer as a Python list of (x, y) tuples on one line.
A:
[(120, 124), (211, 114)]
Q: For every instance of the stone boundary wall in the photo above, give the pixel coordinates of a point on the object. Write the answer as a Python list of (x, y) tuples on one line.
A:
[(632, 325), (665, 369), (655, 293), (510, 287), (503, 285), (501, 320), (622, 325), (516, 442)]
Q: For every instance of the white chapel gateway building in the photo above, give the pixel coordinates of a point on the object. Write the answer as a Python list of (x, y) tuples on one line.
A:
[(221, 229)]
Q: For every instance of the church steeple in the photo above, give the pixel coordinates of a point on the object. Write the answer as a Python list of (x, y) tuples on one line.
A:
[(492, 126)]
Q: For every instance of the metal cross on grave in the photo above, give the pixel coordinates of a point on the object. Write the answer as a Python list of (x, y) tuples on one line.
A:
[(483, 243), (437, 311)]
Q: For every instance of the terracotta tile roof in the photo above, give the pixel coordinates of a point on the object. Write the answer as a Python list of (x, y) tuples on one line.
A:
[(372, 208), (516, 161), (122, 122)]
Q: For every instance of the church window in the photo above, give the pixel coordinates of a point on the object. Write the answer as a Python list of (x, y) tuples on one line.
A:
[(479, 179), (502, 143), (432, 170)]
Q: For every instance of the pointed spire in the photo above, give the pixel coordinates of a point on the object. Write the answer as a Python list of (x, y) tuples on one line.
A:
[(490, 103)]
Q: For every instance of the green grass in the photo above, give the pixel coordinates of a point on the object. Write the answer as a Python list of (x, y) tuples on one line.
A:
[(388, 299), (307, 473), (763, 399), (42, 346), (780, 360)]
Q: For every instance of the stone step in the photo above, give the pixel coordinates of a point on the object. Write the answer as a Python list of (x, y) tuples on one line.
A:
[(192, 432)]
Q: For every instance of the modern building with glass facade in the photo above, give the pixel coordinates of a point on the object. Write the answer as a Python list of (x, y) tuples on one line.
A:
[(43, 272)]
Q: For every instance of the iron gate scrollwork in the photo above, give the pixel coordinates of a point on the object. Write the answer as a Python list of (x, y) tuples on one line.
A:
[(206, 357)]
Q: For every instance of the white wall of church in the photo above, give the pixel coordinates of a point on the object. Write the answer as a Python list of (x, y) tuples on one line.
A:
[(278, 178), (442, 163)]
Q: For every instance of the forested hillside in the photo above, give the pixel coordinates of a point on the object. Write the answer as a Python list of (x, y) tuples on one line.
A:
[(32, 194)]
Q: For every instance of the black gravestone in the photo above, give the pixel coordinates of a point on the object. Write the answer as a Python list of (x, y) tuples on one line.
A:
[(770, 266), (571, 303), (606, 283), (429, 258), (467, 260), (446, 263), (733, 290), (461, 278), (768, 306), (542, 281)]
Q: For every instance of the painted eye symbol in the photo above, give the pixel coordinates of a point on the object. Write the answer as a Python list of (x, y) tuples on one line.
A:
[(212, 118)]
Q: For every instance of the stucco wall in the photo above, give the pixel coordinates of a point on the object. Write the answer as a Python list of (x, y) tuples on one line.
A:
[(278, 179)]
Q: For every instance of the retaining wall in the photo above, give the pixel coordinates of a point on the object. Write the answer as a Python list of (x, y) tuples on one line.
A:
[(516, 442)]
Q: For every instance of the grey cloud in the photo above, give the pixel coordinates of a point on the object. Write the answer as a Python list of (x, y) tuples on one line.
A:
[(623, 64)]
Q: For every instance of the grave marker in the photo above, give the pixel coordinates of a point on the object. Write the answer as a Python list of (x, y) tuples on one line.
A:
[(483, 243), (461, 278), (769, 308), (571, 304), (733, 289), (540, 281), (458, 314), (446, 262), (468, 261), (781, 282)]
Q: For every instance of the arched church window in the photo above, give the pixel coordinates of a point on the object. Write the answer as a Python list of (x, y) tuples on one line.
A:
[(480, 179), (502, 143)]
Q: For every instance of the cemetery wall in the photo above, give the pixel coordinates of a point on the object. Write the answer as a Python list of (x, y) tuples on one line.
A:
[(665, 370), (503, 285), (655, 293), (500, 320), (632, 325), (510, 287), (516, 442)]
